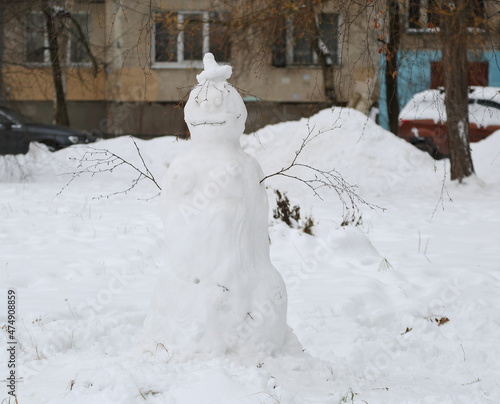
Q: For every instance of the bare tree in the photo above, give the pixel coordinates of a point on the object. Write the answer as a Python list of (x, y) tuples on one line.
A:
[(51, 16), (59, 23), (454, 28), (454, 17), (390, 49), (59, 26)]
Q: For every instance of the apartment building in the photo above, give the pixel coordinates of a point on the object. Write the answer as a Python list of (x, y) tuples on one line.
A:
[(146, 54), (149, 52)]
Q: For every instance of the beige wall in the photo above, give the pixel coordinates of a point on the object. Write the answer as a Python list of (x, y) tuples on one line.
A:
[(130, 47), (36, 84)]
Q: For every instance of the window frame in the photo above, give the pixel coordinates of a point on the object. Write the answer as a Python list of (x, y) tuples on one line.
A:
[(339, 41), (423, 18), (46, 53), (290, 45), (179, 41), (70, 41)]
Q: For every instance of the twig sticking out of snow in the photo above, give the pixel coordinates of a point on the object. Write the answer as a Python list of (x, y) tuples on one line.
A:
[(95, 161), (330, 179)]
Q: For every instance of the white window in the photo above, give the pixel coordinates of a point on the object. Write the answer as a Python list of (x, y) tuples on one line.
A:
[(37, 44), (78, 34), (295, 45), (181, 38)]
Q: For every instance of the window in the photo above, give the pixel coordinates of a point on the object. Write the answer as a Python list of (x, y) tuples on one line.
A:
[(296, 45), (301, 43), (77, 53), (329, 33), (424, 15), (182, 38), (37, 43), (36, 39), (477, 15)]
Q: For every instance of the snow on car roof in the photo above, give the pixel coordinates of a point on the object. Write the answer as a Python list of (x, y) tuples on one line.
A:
[(429, 104), (486, 93)]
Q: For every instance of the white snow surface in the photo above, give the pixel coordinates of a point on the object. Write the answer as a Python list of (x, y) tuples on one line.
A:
[(369, 303)]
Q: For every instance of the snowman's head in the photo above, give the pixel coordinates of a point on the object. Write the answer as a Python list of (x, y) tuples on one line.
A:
[(215, 110)]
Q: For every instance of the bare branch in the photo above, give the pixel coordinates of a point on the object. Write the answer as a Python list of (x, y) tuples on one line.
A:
[(95, 161), (329, 179)]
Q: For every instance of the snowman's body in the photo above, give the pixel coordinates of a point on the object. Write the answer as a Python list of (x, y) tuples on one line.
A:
[(218, 291)]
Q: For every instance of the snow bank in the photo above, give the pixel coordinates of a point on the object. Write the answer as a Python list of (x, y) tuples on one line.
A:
[(370, 301), (486, 158), (343, 139), (36, 165)]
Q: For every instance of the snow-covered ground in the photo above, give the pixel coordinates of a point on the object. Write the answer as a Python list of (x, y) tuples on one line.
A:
[(401, 308)]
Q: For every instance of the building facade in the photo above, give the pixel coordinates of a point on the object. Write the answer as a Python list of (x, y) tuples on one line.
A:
[(289, 58), (149, 52)]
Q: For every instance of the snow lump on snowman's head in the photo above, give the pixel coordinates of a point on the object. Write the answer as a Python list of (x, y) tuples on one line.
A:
[(214, 107)]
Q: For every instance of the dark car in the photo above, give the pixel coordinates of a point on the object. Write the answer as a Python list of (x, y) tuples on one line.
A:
[(422, 121), (17, 131)]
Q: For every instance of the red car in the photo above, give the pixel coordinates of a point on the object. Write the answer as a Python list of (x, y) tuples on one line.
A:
[(422, 121)]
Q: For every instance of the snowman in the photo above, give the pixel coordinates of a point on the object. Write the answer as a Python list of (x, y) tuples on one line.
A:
[(218, 292)]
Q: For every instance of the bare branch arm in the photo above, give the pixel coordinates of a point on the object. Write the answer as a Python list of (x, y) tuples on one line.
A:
[(330, 179), (95, 161)]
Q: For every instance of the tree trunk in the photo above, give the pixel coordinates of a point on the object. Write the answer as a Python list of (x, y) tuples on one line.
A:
[(391, 66), (61, 111), (454, 40), (327, 70)]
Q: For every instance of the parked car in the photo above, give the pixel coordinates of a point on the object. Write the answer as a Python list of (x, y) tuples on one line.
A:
[(17, 131), (422, 121)]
